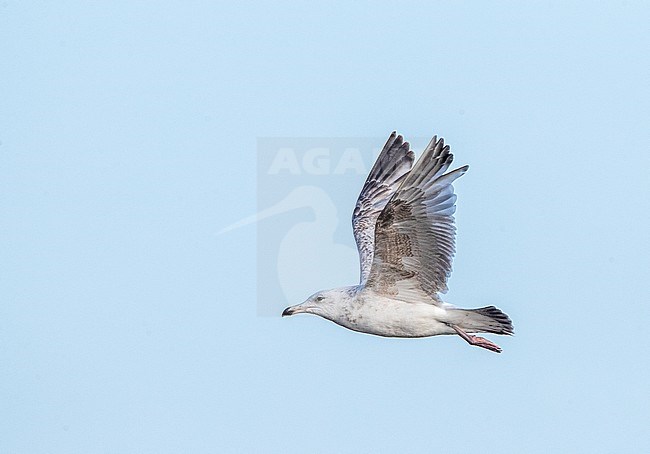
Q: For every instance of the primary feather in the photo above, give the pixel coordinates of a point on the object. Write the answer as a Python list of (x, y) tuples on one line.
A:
[(394, 161)]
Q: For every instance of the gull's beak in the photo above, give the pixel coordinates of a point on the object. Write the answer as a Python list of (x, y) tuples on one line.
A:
[(293, 310)]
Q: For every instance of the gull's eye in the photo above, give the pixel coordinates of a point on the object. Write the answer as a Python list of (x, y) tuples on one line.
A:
[(319, 298)]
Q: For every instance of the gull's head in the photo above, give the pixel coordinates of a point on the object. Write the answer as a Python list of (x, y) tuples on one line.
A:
[(323, 303)]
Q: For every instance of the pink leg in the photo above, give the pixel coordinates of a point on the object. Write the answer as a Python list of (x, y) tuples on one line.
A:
[(476, 340)]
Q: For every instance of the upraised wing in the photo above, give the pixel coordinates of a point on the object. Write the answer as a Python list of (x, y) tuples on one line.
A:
[(415, 232), (393, 163)]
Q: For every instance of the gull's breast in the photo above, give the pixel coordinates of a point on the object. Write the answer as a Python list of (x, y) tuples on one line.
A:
[(383, 316)]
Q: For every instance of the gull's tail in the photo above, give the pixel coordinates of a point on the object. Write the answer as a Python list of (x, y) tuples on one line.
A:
[(484, 320)]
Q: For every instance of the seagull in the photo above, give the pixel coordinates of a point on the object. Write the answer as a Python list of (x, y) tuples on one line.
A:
[(403, 225)]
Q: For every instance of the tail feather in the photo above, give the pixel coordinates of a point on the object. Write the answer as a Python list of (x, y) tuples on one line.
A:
[(486, 320)]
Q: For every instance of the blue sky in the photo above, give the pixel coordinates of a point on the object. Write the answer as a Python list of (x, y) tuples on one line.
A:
[(128, 139)]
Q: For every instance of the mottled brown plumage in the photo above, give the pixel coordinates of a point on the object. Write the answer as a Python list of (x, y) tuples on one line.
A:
[(404, 228)]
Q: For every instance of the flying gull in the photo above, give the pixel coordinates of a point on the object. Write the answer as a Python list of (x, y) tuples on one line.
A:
[(404, 229)]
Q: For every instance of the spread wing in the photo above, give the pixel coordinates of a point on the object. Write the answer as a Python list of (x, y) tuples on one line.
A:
[(393, 163), (415, 233)]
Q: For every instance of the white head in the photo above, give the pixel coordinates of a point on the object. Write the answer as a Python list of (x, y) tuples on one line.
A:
[(326, 303)]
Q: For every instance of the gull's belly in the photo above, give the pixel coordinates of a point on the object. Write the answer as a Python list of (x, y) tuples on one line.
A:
[(393, 318)]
